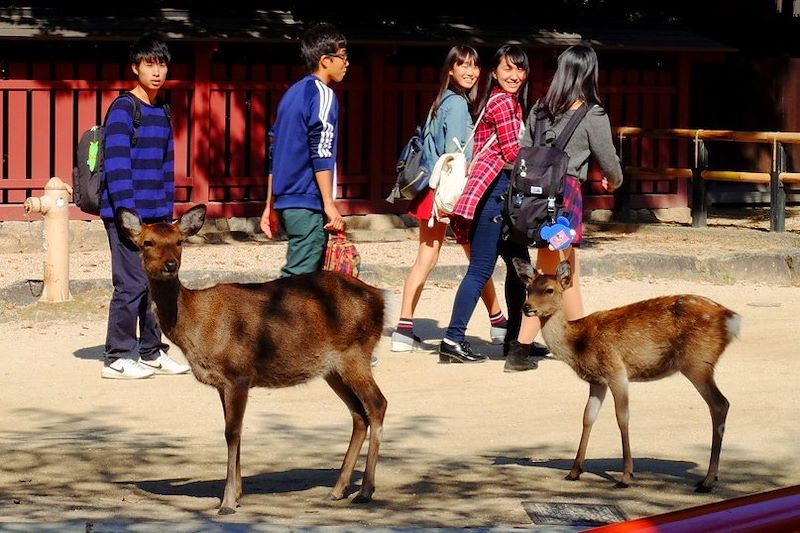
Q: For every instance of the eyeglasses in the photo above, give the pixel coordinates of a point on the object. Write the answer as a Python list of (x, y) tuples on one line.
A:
[(343, 56)]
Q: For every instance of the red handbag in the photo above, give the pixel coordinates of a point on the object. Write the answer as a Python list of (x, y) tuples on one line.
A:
[(341, 255)]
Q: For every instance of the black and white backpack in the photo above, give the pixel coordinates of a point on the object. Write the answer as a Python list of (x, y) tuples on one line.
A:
[(535, 195)]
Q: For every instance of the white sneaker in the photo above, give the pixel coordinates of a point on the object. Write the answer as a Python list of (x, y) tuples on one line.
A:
[(124, 368), (498, 335), (164, 364)]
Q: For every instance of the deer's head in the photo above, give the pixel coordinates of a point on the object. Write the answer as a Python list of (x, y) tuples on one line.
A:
[(544, 291), (161, 243)]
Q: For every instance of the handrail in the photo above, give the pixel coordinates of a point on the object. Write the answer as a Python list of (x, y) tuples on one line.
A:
[(789, 137), (776, 179)]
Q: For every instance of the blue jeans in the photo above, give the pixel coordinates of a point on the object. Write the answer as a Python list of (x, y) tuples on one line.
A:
[(486, 244)]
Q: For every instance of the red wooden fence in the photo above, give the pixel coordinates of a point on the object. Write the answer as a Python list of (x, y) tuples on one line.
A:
[(222, 113)]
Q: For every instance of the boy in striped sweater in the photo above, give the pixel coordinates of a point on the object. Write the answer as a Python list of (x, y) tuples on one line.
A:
[(138, 175), (302, 179)]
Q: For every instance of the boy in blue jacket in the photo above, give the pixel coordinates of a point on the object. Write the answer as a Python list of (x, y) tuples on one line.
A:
[(302, 178)]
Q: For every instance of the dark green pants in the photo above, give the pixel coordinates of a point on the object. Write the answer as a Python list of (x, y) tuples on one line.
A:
[(307, 240)]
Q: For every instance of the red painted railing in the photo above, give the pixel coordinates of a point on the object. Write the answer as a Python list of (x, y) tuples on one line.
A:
[(222, 113)]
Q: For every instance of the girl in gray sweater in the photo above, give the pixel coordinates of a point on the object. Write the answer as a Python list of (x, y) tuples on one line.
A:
[(574, 83)]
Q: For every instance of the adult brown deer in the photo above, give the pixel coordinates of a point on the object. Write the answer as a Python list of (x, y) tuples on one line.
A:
[(275, 334), (642, 341)]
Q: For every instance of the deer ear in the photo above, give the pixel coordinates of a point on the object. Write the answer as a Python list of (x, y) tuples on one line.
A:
[(524, 270), (192, 220), (564, 274), (129, 222)]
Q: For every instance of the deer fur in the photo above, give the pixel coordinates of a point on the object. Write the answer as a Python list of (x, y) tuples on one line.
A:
[(642, 341), (276, 334)]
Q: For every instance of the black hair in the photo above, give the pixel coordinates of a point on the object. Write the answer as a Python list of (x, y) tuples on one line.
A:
[(575, 79), (516, 56), (318, 41), (149, 46), (458, 55)]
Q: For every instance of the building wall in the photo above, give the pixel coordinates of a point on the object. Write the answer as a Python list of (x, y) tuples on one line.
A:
[(224, 97)]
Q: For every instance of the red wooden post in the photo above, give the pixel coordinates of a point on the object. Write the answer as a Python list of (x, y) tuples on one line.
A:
[(376, 121), (17, 156), (201, 134)]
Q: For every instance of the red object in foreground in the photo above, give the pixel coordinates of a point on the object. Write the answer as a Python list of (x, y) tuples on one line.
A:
[(776, 510)]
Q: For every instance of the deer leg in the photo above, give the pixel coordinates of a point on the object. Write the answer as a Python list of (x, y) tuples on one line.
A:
[(597, 394), (375, 405), (619, 390), (234, 401), (357, 438), (718, 405), (238, 451)]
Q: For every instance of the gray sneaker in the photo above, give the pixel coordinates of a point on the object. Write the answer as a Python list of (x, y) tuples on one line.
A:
[(498, 334), (405, 343)]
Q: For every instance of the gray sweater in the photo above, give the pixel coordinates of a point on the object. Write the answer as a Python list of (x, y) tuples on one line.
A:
[(591, 137)]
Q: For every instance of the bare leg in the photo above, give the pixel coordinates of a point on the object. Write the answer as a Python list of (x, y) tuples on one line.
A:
[(430, 244), (597, 393)]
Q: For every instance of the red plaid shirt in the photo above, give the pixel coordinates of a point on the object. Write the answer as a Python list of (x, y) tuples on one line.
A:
[(503, 116)]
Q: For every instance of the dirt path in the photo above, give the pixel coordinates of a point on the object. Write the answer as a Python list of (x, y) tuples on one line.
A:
[(462, 446)]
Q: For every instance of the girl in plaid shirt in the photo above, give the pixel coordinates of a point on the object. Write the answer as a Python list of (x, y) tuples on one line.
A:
[(475, 218), (449, 120)]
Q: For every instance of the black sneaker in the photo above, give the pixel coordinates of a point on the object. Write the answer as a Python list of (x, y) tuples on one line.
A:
[(539, 350), (460, 353)]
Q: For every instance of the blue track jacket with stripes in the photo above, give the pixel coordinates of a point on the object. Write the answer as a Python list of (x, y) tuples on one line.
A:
[(303, 141)]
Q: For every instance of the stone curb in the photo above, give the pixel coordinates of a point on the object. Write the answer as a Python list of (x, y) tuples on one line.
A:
[(776, 268), (780, 269)]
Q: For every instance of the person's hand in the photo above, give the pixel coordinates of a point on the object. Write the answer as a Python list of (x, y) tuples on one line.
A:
[(335, 221), (265, 223), (604, 183)]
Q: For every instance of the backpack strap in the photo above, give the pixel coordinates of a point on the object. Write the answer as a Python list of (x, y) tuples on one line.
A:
[(562, 140), (475, 128), (430, 111), (538, 128), (137, 114)]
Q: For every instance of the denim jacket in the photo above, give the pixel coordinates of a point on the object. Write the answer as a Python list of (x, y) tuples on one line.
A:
[(452, 120)]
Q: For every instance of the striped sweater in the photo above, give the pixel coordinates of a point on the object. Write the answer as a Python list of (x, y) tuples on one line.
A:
[(139, 177), (303, 141)]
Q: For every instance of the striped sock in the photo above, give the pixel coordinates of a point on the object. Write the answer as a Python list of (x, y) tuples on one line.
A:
[(405, 326), (498, 320)]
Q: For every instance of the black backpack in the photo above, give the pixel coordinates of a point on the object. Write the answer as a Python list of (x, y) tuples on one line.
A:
[(88, 178), (535, 195), (412, 178)]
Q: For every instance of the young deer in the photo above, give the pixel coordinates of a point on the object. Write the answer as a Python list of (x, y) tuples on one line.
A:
[(642, 341), (275, 334)]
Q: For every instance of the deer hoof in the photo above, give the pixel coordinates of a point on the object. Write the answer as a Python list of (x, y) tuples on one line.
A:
[(362, 498), (331, 497), (621, 485), (703, 489), (572, 476), (226, 510)]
